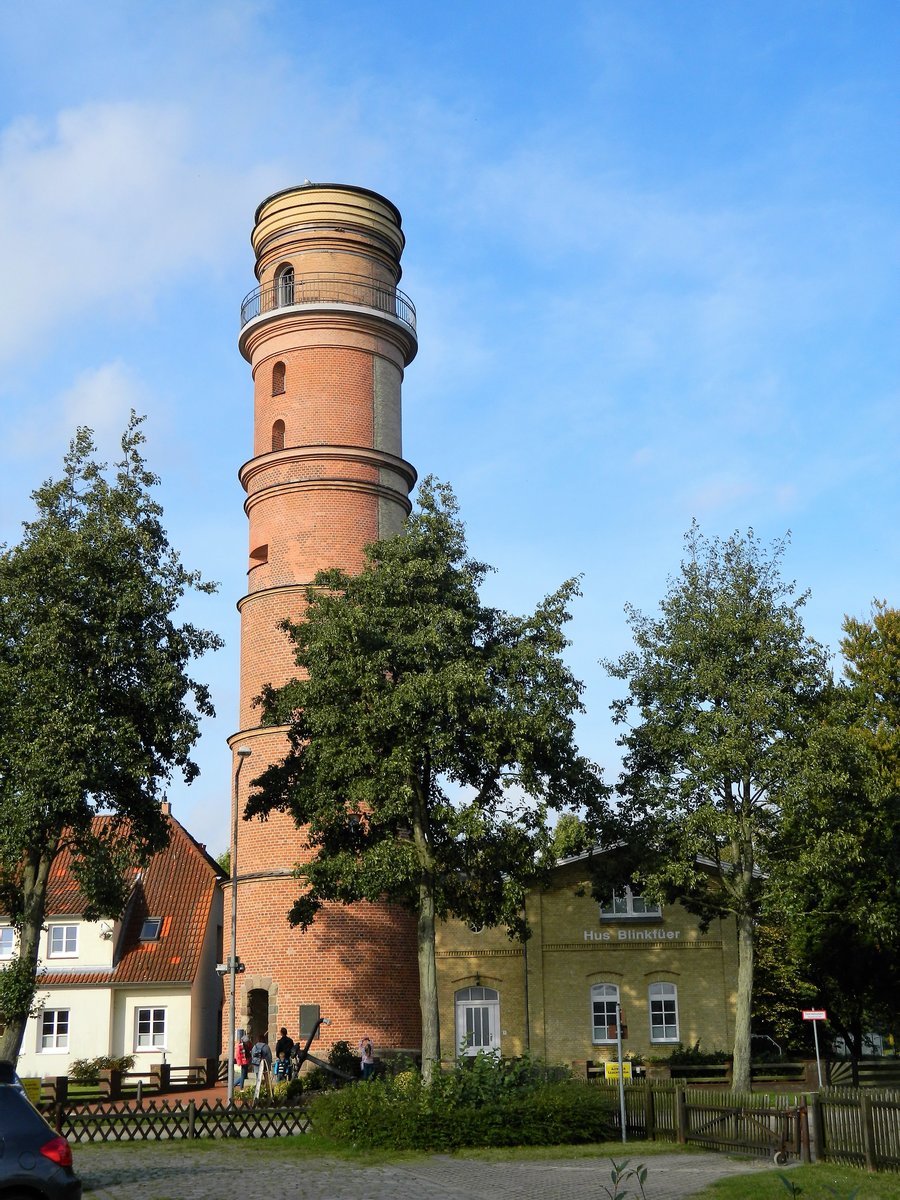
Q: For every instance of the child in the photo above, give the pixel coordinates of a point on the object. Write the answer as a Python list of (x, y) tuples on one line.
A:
[(366, 1058), (282, 1068)]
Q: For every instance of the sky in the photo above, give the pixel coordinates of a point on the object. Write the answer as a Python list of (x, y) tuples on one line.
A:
[(653, 247)]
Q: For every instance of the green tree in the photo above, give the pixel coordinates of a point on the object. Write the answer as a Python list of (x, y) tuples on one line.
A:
[(833, 880), (871, 652), (98, 708), (722, 691), (429, 736), (572, 835)]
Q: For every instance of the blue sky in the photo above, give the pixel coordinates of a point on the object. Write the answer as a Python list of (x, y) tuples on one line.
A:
[(653, 246)]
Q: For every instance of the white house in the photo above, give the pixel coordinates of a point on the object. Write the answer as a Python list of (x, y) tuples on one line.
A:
[(144, 985)]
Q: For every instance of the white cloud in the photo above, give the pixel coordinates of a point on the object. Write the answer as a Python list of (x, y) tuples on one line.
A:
[(101, 399), (721, 492), (101, 207)]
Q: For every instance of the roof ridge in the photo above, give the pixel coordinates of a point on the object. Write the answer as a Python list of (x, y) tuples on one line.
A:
[(198, 847)]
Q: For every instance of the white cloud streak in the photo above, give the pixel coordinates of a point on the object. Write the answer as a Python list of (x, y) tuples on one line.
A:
[(103, 206)]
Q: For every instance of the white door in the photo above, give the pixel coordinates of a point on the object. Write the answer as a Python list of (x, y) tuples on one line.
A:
[(477, 1020)]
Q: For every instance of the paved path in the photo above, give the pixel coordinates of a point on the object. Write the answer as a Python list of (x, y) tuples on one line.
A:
[(211, 1172)]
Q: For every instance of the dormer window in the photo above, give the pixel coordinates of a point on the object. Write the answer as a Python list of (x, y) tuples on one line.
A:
[(150, 929), (627, 905)]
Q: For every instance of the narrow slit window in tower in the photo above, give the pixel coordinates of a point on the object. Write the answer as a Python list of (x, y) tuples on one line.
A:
[(278, 435), (278, 379)]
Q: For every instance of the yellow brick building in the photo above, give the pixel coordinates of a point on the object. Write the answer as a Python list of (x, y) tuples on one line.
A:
[(556, 995)]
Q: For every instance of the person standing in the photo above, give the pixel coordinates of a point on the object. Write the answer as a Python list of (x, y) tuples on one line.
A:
[(261, 1053), (366, 1057), (242, 1055), (284, 1043)]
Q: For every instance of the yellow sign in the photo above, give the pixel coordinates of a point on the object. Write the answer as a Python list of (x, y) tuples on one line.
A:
[(612, 1070), (32, 1090)]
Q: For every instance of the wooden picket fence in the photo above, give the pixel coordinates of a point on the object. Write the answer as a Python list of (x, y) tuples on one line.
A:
[(857, 1127), (751, 1123), (163, 1120), (844, 1125)]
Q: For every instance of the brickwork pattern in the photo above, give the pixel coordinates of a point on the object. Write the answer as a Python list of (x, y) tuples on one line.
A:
[(562, 965), (312, 505)]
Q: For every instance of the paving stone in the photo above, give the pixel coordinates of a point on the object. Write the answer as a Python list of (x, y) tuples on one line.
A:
[(139, 1171)]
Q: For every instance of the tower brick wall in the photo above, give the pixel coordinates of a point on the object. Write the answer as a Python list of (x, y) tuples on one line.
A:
[(328, 336)]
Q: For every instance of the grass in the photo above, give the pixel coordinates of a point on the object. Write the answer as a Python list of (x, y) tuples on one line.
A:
[(822, 1181), (314, 1146), (296, 1149), (606, 1150)]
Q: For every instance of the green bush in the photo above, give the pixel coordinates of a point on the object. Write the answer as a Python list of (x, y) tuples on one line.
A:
[(284, 1092), (491, 1102), (343, 1058), (693, 1056), (87, 1070)]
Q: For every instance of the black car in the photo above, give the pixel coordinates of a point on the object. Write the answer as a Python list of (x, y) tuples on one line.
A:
[(35, 1162)]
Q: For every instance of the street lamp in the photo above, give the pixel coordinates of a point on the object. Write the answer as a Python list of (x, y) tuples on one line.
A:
[(243, 752)]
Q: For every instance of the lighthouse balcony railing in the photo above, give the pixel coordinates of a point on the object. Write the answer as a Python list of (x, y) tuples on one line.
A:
[(329, 288)]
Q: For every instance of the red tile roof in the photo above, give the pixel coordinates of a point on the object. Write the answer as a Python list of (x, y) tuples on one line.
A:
[(178, 885)]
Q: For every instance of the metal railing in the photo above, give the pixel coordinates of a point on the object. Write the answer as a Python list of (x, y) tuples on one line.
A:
[(329, 288)]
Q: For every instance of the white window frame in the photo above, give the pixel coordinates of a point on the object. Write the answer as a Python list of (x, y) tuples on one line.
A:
[(663, 998), (69, 944), (285, 283), (156, 1028), (627, 905), (477, 1020), (7, 941), (53, 1031), (606, 994)]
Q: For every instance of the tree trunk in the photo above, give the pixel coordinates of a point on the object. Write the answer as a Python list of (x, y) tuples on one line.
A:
[(428, 994), (741, 1071), (35, 873)]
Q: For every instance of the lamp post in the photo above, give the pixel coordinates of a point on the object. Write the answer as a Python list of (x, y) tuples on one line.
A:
[(243, 752)]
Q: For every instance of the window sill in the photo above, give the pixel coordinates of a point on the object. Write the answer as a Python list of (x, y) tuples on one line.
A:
[(631, 918)]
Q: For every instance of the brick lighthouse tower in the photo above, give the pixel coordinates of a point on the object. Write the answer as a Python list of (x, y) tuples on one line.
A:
[(328, 336)]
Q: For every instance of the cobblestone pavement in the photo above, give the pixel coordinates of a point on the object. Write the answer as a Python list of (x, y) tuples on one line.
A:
[(213, 1171)]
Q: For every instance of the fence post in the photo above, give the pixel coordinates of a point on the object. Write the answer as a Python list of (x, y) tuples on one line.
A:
[(818, 1126), (59, 1113), (192, 1119), (681, 1115), (111, 1084), (139, 1096), (649, 1114), (803, 1122), (868, 1130), (160, 1076)]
